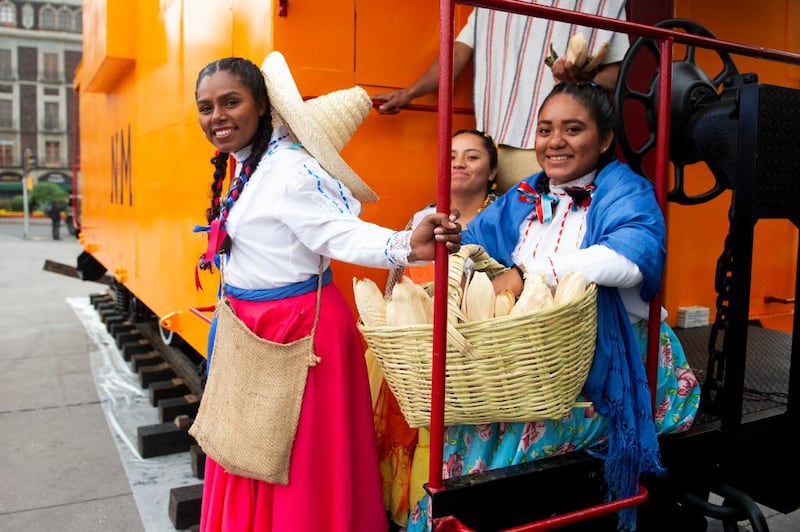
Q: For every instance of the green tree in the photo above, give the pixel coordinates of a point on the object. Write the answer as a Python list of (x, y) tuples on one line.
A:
[(45, 194)]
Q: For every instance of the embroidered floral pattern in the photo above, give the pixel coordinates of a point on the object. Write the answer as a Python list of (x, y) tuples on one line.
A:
[(398, 247)]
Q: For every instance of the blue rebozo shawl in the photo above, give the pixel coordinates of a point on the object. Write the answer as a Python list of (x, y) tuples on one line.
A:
[(624, 216)]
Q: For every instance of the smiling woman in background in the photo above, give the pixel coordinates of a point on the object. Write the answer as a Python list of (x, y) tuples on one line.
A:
[(403, 451)]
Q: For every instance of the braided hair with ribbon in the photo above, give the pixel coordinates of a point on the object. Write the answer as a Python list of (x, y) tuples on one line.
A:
[(217, 214)]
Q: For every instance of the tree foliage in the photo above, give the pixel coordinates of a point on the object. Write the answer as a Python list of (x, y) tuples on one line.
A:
[(44, 194)]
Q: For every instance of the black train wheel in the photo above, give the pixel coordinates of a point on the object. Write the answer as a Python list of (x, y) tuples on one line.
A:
[(636, 102)]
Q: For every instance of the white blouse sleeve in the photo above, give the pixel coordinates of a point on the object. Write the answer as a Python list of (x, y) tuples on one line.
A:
[(323, 214), (598, 263)]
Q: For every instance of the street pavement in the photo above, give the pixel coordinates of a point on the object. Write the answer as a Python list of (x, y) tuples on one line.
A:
[(61, 467)]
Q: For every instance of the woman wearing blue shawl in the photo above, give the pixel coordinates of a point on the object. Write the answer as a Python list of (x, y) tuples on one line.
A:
[(590, 213)]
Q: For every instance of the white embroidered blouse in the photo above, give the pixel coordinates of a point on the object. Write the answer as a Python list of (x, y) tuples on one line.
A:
[(553, 249), (290, 212)]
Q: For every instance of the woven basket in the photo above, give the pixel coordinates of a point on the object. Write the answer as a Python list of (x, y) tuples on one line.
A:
[(510, 368)]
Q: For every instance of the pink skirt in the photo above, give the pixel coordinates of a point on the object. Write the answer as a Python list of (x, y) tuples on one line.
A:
[(334, 483)]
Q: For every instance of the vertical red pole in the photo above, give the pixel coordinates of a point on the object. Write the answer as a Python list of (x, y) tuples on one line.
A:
[(662, 170), (439, 354)]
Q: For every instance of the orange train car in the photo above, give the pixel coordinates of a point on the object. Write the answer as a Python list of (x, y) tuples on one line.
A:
[(144, 163)]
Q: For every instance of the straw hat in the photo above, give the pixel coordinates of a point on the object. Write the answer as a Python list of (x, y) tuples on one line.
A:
[(323, 124)]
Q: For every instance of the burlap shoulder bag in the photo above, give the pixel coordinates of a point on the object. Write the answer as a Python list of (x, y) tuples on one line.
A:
[(250, 407)]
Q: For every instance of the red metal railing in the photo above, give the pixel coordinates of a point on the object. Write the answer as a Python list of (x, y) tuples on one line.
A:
[(665, 39)]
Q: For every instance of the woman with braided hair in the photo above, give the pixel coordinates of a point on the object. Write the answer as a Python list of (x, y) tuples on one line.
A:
[(292, 207)]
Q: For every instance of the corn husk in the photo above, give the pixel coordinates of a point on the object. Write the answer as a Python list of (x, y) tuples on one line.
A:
[(577, 50), (369, 302), (409, 305), (479, 298), (571, 287), (503, 303), (535, 296), (594, 61)]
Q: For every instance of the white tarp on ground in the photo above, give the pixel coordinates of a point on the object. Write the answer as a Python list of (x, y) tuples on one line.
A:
[(127, 407)]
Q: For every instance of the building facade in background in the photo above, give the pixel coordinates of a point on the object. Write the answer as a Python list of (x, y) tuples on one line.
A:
[(40, 47)]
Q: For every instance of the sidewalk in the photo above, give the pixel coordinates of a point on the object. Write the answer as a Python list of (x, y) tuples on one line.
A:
[(60, 468)]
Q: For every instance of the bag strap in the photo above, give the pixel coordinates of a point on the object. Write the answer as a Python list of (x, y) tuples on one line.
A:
[(319, 297)]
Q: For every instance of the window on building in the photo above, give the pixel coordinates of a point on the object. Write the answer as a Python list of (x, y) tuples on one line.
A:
[(6, 153), (51, 121), (50, 60), (27, 16), (8, 14), (79, 21), (64, 21), (5, 63), (6, 113), (52, 152), (47, 18)]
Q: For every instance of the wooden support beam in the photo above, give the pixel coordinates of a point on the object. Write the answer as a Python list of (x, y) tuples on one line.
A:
[(141, 360), (158, 372), (198, 461), (162, 439), (132, 335), (134, 348), (169, 409), (118, 328), (167, 389), (184, 506)]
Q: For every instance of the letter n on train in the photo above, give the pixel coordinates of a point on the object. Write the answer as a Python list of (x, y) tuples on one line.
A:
[(121, 176)]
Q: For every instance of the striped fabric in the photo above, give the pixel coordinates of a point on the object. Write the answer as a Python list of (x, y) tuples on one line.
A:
[(511, 78)]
